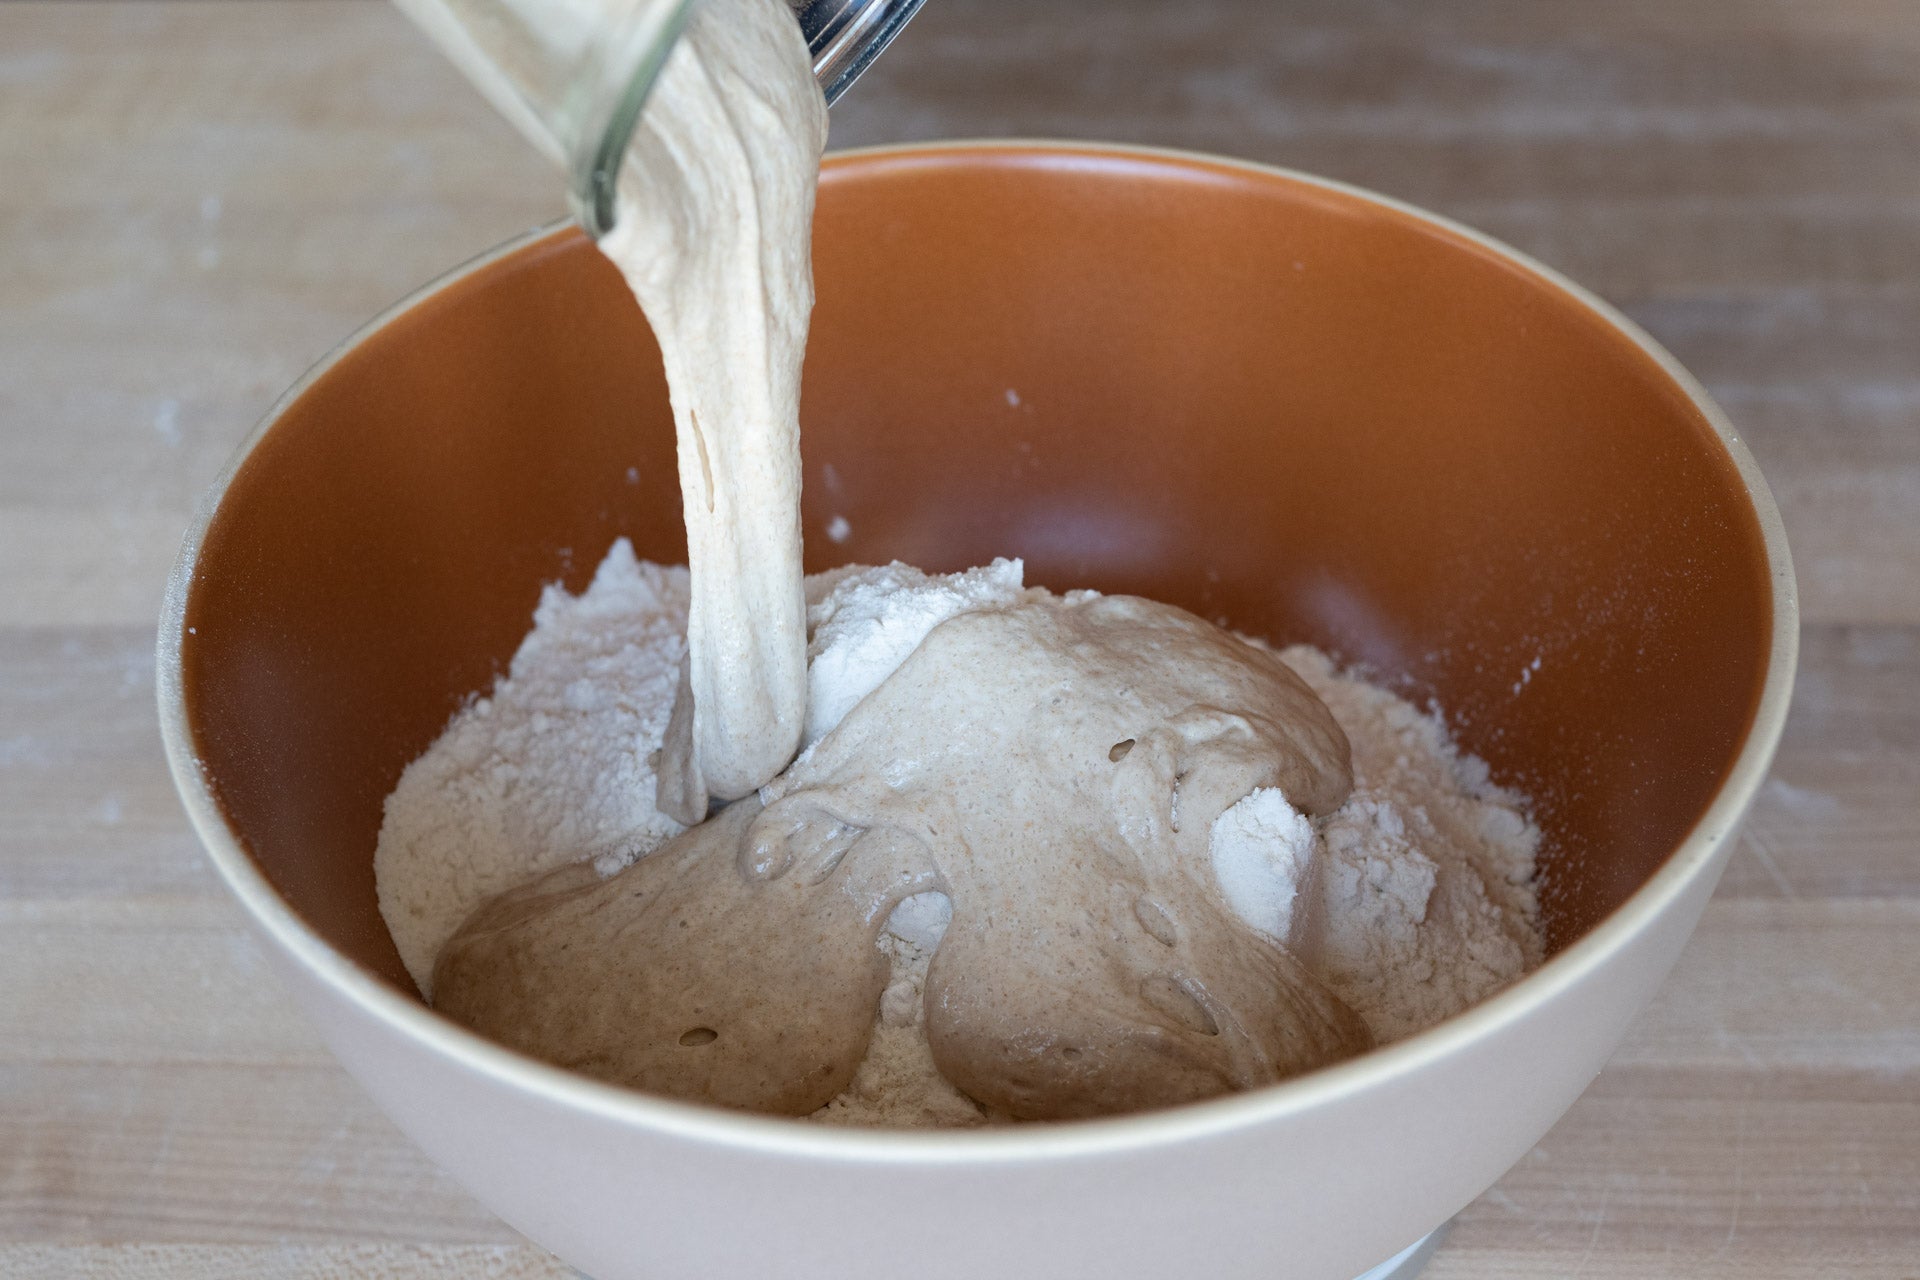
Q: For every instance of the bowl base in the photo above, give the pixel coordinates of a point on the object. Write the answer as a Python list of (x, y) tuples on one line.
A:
[(1410, 1261)]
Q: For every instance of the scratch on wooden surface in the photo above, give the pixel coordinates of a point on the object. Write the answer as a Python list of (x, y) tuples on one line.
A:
[(1501, 1200), (1739, 1173), (1599, 1224), (1754, 839), (1728, 1039)]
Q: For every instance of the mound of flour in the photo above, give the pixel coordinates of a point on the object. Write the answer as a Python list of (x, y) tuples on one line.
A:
[(554, 766), (1426, 873), (1413, 901)]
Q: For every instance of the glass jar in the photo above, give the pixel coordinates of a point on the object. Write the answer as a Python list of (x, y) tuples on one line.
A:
[(573, 75)]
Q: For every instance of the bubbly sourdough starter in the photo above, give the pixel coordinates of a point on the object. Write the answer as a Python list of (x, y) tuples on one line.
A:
[(713, 234), (1054, 767), (1057, 776)]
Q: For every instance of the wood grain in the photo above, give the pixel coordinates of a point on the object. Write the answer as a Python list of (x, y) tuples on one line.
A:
[(198, 199)]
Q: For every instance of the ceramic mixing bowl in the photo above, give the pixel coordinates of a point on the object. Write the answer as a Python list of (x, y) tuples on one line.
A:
[(1306, 411)]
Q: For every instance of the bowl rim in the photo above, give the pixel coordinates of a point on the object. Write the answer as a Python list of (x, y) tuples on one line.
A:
[(405, 1016)]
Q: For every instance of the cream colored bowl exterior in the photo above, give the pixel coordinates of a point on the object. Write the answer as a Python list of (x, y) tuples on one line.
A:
[(1315, 1179)]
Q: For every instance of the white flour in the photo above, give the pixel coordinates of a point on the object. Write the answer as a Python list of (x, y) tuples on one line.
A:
[(1412, 901), (862, 624), (1426, 879), (551, 768)]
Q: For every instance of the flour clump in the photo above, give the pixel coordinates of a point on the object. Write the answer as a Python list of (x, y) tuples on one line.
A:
[(550, 768), (1427, 879)]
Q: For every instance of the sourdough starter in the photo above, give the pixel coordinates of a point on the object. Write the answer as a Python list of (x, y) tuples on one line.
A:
[(713, 234)]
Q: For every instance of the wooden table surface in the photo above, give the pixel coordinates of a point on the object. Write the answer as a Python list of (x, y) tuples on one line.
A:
[(198, 199)]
